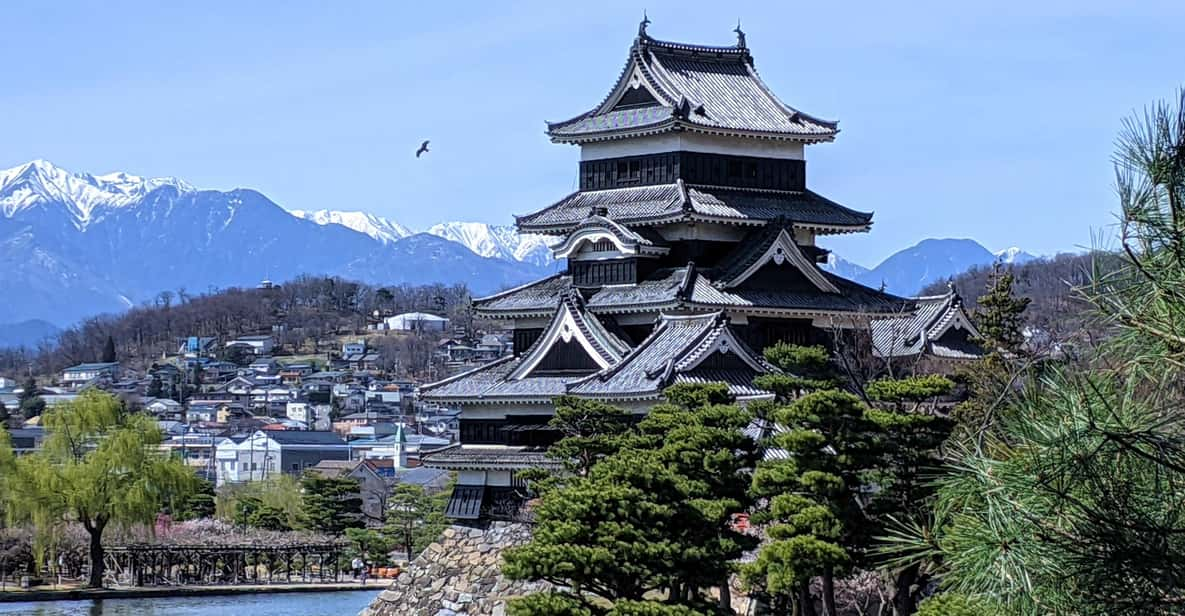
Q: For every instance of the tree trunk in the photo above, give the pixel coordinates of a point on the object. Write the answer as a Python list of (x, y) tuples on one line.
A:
[(829, 592), (96, 554), (725, 595), (904, 598), (805, 601)]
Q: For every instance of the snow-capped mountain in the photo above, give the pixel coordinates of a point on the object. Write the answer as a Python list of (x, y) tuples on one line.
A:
[(75, 245), (83, 196), (498, 241), (377, 227), (908, 271), (1013, 255), (842, 267)]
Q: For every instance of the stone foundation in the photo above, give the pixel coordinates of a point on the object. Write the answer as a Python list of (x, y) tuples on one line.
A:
[(459, 574)]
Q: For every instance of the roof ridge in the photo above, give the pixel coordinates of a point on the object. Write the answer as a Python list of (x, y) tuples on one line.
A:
[(520, 287)]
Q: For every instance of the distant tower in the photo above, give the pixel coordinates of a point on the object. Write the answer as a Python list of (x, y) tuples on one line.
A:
[(400, 447)]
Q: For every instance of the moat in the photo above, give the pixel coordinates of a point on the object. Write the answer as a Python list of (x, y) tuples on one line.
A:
[(297, 604)]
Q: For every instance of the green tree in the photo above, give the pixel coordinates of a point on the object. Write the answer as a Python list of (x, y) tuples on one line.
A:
[(31, 403), (98, 466), (652, 518), (236, 503), (200, 503), (590, 429), (1073, 504), (414, 517), (370, 545), (1000, 315), (912, 435), (331, 504), (992, 380), (814, 493), (155, 388)]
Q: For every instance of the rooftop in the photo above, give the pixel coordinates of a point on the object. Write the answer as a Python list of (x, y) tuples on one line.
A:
[(667, 203), (668, 86)]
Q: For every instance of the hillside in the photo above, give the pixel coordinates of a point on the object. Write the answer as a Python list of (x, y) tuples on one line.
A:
[(75, 245), (1052, 284)]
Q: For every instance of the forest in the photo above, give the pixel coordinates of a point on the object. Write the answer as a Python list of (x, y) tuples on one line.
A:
[(300, 313)]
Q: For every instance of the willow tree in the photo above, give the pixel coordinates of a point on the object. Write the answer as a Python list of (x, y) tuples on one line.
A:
[(1078, 509), (98, 466)]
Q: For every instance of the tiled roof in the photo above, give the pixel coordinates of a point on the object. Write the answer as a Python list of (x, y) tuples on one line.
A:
[(921, 330), (677, 341), (695, 87), (538, 296), (487, 456), (640, 205), (305, 437), (662, 288), (490, 383), (740, 382), (852, 297), (632, 204), (688, 287)]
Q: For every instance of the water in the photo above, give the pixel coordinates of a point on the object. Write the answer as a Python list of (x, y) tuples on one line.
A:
[(293, 604)]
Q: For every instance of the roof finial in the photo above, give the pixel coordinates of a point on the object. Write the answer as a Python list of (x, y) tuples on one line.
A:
[(642, 25), (740, 34)]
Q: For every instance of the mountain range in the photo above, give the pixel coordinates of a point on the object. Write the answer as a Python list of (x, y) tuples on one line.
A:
[(908, 271), (73, 245)]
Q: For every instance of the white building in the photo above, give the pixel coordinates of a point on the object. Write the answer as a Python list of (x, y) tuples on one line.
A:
[(415, 321)]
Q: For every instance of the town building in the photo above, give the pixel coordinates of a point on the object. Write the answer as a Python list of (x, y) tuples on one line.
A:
[(255, 345), (83, 374), (266, 454), (690, 245), (415, 321)]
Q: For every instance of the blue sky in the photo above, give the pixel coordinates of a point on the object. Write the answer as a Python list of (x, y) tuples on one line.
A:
[(993, 121)]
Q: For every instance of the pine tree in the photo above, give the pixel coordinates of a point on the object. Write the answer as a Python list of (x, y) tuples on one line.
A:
[(1073, 506), (331, 504), (652, 518), (912, 435), (1000, 316)]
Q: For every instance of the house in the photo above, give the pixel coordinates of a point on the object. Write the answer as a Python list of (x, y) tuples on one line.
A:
[(354, 348), (298, 411), (197, 346), (26, 440), (164, 408), (79, 375), (256, 345), (267, 454), (194, 449), (403, 448), (415, 321), (264, 366), (374, 489)]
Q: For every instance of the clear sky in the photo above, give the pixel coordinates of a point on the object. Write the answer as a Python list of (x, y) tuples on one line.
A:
[(991, 120)]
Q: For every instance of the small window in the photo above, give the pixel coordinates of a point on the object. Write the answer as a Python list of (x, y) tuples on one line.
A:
[(296, 466)]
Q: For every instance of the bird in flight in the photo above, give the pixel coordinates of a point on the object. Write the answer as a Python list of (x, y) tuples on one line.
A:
[(423, 148)]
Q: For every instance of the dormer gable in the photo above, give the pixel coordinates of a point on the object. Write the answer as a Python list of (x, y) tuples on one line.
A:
[(773, 248), (575, 342)]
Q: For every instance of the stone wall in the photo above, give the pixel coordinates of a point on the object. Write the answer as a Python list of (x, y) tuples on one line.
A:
[(459, 574)]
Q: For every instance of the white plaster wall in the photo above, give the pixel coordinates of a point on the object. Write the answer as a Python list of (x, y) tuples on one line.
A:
[(471, 478), (498, 478)]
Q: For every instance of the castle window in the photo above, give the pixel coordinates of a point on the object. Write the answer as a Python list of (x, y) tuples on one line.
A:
[(603, 246)]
